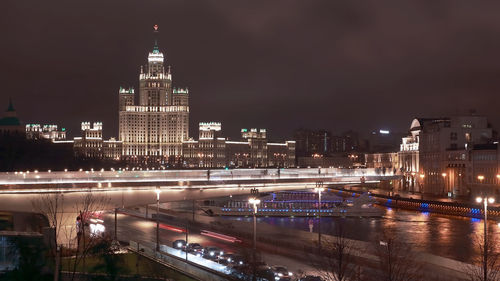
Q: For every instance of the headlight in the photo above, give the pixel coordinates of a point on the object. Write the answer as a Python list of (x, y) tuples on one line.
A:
[(289, 273), (276, 278), (241, 262), (229, 259), (280, 274), (212, 253), (179, 244), (221, 253)]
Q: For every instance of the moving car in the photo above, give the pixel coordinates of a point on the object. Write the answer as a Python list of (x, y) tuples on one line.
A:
[(311, 278), (212, 253), (195, 249), (179, 244), (232, 260), (281, 273)]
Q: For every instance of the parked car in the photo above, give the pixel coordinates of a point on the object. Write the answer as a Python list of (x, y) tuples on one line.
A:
[(281, 273), (179, 244)]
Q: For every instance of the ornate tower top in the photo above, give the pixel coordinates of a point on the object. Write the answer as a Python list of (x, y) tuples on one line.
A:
[(156, 56)]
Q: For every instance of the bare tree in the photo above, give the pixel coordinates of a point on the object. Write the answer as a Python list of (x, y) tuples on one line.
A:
[(335, 261), (51, 206), (489, 256), (59, 216), (396, 260), (88, 207)]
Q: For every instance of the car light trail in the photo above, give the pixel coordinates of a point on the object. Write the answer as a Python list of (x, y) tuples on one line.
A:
[(172, 228), (220, 236)]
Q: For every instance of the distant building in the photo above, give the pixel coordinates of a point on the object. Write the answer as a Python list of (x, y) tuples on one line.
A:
[(311, 142), (154, 129), (444, 145), (485, 170), (335, 161), (444, 156), (208, 151), (409, 159), (10, 125), (50, 132), (383, 163), (254, 150)]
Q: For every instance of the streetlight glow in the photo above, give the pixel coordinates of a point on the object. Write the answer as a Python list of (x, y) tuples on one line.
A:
[(480, 177), (443, 174), (485, 201), (254, 201), (158, 191)]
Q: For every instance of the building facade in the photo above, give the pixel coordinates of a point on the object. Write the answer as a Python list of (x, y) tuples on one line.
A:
[(441, 155), (49, 132), (444, 148), (154, 129), (214, 151), (386, 163), (91, 144)]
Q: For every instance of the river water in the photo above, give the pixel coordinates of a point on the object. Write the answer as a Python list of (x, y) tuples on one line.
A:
[(447, 236)]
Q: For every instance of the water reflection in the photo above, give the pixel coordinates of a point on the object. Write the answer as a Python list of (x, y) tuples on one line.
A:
[(448, 236)]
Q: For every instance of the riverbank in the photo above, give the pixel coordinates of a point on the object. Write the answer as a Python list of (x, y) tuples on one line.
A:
[(406, 202), (299, 245)]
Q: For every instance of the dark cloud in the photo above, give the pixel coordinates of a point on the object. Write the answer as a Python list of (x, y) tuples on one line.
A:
[(273, 64)]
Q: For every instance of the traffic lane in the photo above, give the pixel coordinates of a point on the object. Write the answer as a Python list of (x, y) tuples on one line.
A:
[(142, 230)]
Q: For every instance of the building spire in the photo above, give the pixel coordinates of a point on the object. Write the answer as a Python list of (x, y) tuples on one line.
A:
[(11, 106), (155, 48)]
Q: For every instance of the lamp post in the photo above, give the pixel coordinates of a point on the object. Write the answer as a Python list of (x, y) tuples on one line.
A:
[(157, 190), (444, 181), (254, 202), (319, 190), (485, 201)]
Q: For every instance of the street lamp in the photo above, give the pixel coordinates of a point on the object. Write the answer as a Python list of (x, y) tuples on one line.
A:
[(157, 190), (254, 201), (421, 185), (480, 178), (485, 201), (319, 190)]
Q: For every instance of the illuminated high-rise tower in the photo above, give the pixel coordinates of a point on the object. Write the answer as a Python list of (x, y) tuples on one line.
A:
[(155, 128)]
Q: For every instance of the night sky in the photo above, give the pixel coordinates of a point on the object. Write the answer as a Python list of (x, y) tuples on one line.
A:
[(279, 65)]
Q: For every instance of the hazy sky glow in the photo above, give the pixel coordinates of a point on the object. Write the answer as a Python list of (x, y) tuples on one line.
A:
[(272, 64)]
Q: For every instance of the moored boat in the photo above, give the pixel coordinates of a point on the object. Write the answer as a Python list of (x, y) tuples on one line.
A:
[(298, 204)]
